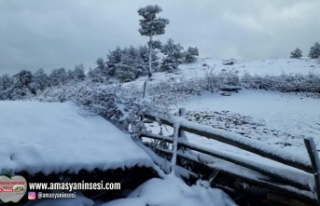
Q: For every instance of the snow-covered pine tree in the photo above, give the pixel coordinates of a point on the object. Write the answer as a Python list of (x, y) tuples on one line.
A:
[(173, 56), (6, 82), (126, 70), (22, 79), (40, 80), (58, 76), (78, 73), (100, 63), (169, 64), (133, 54), (113, 59), (190, 54), (69, 75), (296, 54), (100, 73), (144, 55), (315, 51), (22, 85), (151, 26)]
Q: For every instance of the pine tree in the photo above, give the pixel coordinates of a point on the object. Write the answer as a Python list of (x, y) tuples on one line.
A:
[(126, 70), (151, 26), (100, 63), (190, 55), (315, 51), (113, 59), (100, 73), (78, 73), (58, 76), (144, 55), (40, 80), (6, 82), (173, 56), (296, 54), (97, 75), (22, 85)]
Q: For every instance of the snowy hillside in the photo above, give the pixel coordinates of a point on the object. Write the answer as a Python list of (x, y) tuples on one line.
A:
[(261, 68)]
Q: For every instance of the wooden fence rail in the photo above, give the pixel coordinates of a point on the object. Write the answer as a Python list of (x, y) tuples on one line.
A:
[(281, 182)]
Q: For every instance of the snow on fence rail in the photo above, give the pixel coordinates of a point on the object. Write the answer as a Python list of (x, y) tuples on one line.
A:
[(296, 177)]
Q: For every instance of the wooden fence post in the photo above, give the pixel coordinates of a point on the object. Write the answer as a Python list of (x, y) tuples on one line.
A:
[(182, 113), (144, 89), (314, 158), (174, 148)]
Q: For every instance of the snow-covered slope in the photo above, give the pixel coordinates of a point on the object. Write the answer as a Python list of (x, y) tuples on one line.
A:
[(199, 68), (54, 137)]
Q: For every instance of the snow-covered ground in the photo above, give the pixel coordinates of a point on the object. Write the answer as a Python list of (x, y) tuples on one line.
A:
[(276, 118), (54, 137)]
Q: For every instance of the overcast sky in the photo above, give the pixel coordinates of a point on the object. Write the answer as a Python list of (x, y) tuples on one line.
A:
[(59, 33)]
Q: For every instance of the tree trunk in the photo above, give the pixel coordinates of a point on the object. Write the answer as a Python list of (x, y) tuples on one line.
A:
[(150, 52)]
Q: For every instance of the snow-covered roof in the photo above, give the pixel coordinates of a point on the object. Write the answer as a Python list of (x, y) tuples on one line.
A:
[(54, 137)]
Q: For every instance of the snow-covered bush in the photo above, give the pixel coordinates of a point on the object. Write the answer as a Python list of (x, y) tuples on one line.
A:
[(284, 82), (122, 105), (98, 75), (296, 54), (212, 80)]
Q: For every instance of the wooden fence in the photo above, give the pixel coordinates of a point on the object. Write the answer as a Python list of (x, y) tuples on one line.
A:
[(275, 182)]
